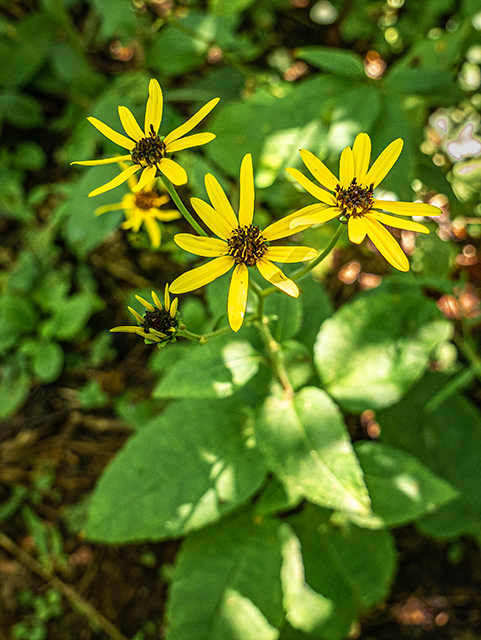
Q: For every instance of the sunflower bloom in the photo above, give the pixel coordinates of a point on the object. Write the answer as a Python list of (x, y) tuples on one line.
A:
[(351, 197), (142, 207), (158, 324), (147, 150), (240, 244)]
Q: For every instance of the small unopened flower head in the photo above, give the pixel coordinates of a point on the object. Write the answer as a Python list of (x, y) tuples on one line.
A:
[(159, 324)]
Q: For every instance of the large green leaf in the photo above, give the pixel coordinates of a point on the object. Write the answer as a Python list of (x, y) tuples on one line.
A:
[(183, 470), (214, 370), (447, 439), (23, 48), (373, 349), (227, 583), (336, 567), (350, 566), (400, 486), (306, 444)]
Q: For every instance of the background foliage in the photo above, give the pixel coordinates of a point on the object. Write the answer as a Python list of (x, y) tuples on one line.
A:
[(290, 511)]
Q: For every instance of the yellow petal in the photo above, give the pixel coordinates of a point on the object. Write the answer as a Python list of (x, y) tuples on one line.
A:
[(195, 140), (173, 307), (129, 329), (136, 315), (145, 303), (208, 247), (167, 296), (275, 276), (153, 110), (165, 215), (386, 244), (247, 194), (219, 200), (356, 229), (384, 163), (407, 208), (361, 150), (154, 232), (398, 223), (156, 299), (108, 207), (191, 123), (109, 133), (307, 219), (94, 163), (148, 174), (290, 254), (117, 181), (200, 276), (236, 303), (346, 168), (319, 170), (318, 192), (130, 124), (212, 219), (172, 171)]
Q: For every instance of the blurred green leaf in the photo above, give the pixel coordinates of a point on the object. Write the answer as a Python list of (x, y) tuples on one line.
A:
[(18, 314), (48, 362), (29, 156), (373, 349), (214, 370), (20, 109), (225, 7), (183, 470), (333, 60), (227, 582), (23, 50), (72, 315), (446, 439), (286, 315), (400, 486), (307, 445), (117, 18), (14, 389)]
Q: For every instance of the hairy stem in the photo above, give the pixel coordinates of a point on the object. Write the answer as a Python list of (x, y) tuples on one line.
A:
[(180, 205)]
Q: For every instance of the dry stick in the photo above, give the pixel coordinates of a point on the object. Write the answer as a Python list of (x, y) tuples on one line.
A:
[(66, 590)]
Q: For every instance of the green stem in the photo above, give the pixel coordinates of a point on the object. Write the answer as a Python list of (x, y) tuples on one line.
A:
[(204, 337), (275, 355), (180, 205)]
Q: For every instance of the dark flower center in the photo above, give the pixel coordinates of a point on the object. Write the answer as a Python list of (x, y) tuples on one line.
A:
[(159, 320), (145, 199), (148, 151), (247, 245), (355, 200)]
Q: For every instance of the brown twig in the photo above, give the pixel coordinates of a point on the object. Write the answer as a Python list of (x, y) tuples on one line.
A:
[(66, 590)]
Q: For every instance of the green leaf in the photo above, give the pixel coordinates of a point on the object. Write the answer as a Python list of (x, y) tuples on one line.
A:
[(317, 308), (48, 362), (447, 439), (214, 370), (72, 315), (373, 349), (338, 61), (227, 583), (183, 470), (400, 486), (20, 109), (287, 316), (17, 314), (14, 389), (307, 445), (335, 567), (424, 81), (305, 609), (23, 50)]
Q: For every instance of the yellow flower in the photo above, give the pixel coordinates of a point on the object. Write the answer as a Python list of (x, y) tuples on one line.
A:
[(351, 197), (241, 245), (158, 324), (142, 207), (148, 151)]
